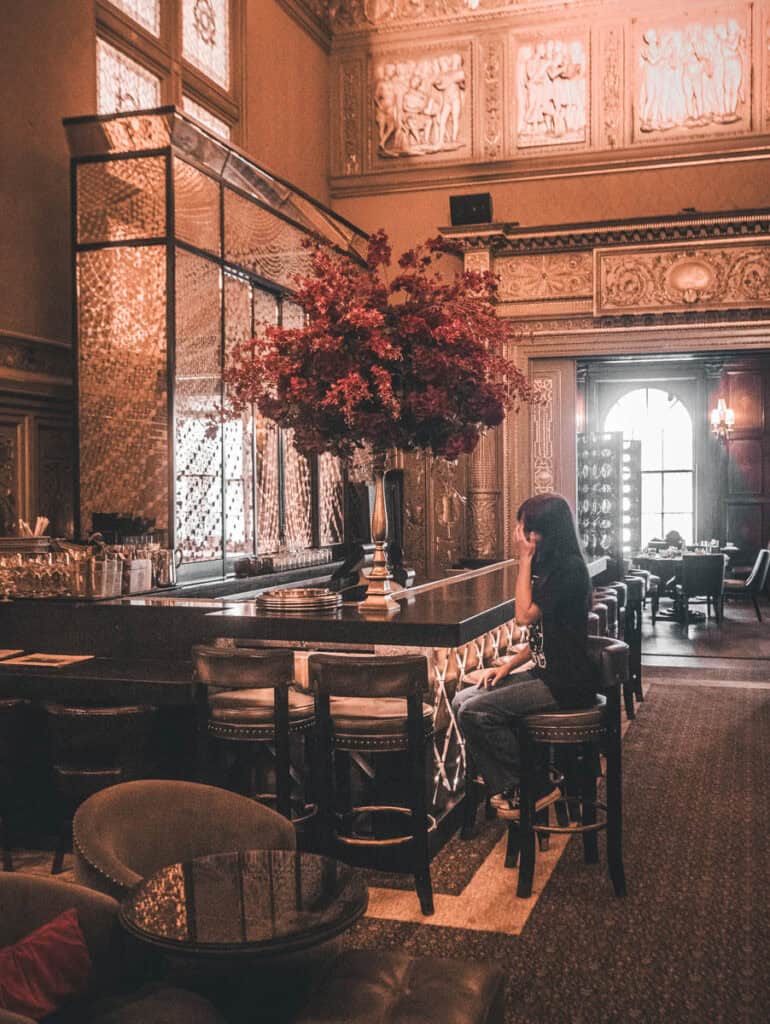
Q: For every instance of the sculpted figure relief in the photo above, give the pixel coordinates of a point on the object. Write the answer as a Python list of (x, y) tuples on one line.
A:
[(693, 76), (418, 105), (551, 80)]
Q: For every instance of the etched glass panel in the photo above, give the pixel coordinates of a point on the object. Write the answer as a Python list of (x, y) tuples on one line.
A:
[(216, 124), (263, 243), (206, 38), (238, 434), (297, 526), (265, 309), (330, 499), (198, 394), (292, 315), (123, 83), (121, 301), (120, 199), (144, 12), (196, 210)]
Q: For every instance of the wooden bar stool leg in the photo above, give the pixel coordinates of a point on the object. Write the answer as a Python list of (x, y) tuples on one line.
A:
[(419, 807), (471, 797), (615, 814), (588, 815), (526, 835), (543, 839), (512, 845), (282, 762)]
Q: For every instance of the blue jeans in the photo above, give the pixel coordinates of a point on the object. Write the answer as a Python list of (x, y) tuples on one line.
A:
[(487, 719)]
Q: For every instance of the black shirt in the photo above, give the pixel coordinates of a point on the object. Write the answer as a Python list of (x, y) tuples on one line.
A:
[(559, 641)]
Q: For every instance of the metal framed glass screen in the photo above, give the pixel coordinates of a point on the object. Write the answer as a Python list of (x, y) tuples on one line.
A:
[(172, 269)]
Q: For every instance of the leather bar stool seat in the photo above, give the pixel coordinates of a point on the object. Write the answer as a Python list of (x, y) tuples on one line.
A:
[(606, 597), (256, 708), (356, 720)]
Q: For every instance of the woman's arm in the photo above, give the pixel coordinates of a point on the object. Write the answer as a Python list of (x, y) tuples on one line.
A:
[(494, 675), (527, 611)]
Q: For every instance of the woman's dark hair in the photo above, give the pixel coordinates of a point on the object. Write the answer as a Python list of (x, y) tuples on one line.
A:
[(550, 516)]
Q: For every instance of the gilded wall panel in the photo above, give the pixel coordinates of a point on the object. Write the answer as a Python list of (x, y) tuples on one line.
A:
[(692, 74), (611, 112), (543, 472), (421, 102), (657, 279), (551, 74), (547, 276), (493, 98)]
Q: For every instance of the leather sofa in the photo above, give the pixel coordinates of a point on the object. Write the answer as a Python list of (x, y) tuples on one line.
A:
[(29, 901)]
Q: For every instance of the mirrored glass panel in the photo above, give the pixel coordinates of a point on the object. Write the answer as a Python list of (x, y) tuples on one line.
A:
[(121, 199)]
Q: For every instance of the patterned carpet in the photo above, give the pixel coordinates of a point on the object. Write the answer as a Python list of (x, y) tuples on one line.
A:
[(691, 942)]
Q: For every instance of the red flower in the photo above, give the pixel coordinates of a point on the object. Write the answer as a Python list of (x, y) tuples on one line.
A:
[(416, 361)]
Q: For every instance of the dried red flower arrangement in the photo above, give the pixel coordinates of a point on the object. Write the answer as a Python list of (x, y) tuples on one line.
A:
[(414, 362)]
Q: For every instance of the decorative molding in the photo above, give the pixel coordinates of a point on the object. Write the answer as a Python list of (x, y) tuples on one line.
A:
[(655, 279), (548, 276), (26, 358), (483, 527), (351, 85), (479, 261), (541, 416), (611, 118), (493, 99)]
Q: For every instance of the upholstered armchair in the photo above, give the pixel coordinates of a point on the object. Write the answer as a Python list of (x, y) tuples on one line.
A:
[(125, 833)]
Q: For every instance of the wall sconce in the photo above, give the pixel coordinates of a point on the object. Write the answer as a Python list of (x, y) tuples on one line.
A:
[(722, 421)]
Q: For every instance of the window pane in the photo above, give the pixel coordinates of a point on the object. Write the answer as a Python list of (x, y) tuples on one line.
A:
[(677, 493), (651, 528), (145, 12), (652, 499), (206, 38), (121, 83), (681, 523), (206, 118), (650, 435)]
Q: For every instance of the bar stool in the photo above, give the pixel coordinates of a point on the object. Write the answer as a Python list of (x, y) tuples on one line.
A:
[(632, 634), (12, 711), (593, 624), (373, 705), (607, 597), (93, 748), (258, 707), (600, 610), (593, 728)]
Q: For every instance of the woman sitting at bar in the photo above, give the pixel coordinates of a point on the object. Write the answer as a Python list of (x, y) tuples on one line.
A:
[(553, 596)]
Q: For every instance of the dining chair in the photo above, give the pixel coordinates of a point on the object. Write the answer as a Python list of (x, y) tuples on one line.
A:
[(754, 585), (703, 578)]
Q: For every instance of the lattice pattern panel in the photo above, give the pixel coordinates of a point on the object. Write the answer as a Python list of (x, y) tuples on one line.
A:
[(144, 12), (206, 118), (121, 199), (257, 240), (206, 38), (122, 83), (297, 525), (196, 208), (121, 297), (265, 307), (238, 434), (198, 393), (330, 500)]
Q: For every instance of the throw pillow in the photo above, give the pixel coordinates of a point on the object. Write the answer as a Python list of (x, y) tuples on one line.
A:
[(51, 965)]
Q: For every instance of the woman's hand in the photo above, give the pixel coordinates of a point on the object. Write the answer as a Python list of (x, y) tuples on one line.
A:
[(493, 677), (525, 545)]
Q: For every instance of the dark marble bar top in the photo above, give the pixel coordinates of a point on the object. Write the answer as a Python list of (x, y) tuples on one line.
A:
[(102, 680), (447, 613)]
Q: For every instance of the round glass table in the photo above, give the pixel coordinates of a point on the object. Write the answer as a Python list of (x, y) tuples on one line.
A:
[(251, 905)]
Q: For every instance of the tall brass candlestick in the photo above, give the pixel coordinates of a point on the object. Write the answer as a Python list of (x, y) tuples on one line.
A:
[(378, 600)]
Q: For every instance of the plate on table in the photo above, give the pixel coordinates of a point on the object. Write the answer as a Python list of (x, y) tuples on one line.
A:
[(298, 599)]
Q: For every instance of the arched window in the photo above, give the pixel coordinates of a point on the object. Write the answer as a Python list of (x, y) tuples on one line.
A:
[(661, 422)]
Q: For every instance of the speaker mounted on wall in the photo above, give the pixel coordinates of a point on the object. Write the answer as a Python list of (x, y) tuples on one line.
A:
[(473, 209)]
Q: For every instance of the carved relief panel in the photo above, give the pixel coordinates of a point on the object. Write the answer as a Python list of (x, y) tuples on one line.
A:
[(551, 73), (420, 103), (665, 278), (692, 74)]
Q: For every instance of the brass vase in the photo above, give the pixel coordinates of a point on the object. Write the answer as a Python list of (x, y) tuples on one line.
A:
[(379, 590)]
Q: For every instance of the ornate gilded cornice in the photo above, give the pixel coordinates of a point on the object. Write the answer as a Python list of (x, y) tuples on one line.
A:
[(34, 365), (511, 240)]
